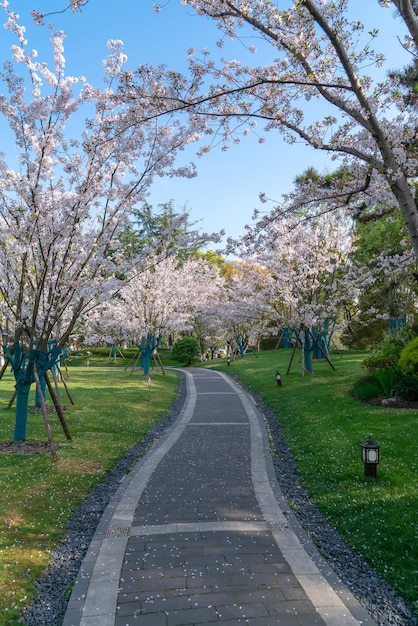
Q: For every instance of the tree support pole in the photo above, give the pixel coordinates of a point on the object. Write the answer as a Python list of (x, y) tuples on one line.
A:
[(321, 350), (278, 341), (66, 368), (52, 445), (291, 358), (127, 366), (134, 366), (337, 348), (158, 362), (65, 386), (57, 391), (4, 368), (58, 408), (12, 399), (303, 353)]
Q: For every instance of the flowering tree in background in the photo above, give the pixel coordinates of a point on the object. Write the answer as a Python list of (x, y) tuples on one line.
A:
[(64, 202), (242, 309), (104, 324), (207, 325), (383, 257), (208, 328), (165, 298), (306, 279)]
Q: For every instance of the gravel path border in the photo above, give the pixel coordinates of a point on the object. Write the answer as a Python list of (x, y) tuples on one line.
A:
[(52, 592)]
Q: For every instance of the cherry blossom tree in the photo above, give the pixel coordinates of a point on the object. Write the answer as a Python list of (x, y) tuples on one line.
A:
[(104, 324), (242, 309), (208, 327), (64, 200), (319, 61), (301, 274), (164, 298), (320, 55)]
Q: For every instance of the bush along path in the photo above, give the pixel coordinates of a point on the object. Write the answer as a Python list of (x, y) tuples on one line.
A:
[(53, 591)]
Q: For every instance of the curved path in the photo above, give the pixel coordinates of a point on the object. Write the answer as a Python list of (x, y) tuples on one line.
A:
[(199, 532)]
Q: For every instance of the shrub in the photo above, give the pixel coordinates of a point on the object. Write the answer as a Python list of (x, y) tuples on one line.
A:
[(387, 380), (366, 388), (185, 350), (389, 351), (378, 362), (407, 387), (408, 360)]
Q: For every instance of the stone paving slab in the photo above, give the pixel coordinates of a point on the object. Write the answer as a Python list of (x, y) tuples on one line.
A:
[(199, 532), (216, 576)]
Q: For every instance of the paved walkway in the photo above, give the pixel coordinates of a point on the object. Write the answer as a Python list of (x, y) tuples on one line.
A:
[(199, 532)]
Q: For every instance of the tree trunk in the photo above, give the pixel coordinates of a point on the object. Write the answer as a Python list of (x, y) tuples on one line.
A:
[(322, 338), (146, 360), (307, 351), (408, 207), (286, 336), (22, 403), (241, 343), (147, 347), (23, 369)]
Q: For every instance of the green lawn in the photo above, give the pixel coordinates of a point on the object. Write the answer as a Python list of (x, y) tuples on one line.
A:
[(113, 411), (325, 427)]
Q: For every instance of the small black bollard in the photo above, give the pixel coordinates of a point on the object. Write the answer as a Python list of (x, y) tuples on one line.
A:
[(228, 361), (370, 454), (278, 378)]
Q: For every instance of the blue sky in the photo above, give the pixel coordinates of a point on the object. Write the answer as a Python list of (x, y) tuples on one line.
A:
[(225, 192)]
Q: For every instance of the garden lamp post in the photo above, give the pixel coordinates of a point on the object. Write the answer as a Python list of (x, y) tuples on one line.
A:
[(370, 454)]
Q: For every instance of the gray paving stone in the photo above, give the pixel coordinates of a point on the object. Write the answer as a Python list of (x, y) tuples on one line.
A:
[(142, 620), (292, 607), (174, 603), (191, 616), (241, 611), (260, 595), (218, 599), (283, 620), (151, 583)]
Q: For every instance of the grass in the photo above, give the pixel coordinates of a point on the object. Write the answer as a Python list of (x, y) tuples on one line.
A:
[(113, 411), (125, 357), (325, 427)]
